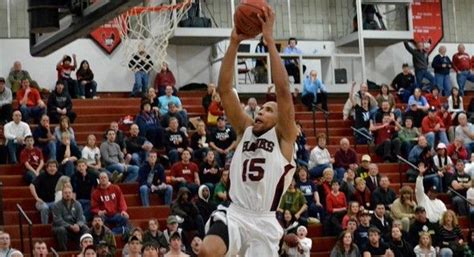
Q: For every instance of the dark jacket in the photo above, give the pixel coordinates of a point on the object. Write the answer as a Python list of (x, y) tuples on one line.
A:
[(134, 144), (59, 100), (204, 206), (65, 216), (438, 62), (158, 174), (420, 58)]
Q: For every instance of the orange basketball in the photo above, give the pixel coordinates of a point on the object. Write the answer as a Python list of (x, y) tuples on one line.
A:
[(246, 19), (291, 240)]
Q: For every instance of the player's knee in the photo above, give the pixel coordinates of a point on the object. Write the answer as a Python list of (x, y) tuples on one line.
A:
[(211, 247), (207, 251)]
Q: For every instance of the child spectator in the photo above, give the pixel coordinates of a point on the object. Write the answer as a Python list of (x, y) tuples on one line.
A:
[(65, 69), (91, 154), (32, 159), (85, 79), (425, 247)]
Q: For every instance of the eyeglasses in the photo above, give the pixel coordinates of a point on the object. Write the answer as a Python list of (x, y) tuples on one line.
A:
[(5, 238)]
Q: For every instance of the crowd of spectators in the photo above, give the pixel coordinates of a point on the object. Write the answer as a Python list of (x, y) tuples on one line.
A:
[(350, 197)]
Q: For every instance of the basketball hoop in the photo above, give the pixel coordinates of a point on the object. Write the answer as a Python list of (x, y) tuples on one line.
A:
[(148, 28)]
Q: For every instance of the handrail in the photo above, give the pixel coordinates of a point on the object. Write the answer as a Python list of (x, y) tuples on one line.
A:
[(2, 221), (450, 189), (22, 215), (55, 253), (400, 160), (368, 137), (326, 117)]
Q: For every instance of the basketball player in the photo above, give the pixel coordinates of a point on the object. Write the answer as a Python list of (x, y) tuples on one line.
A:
[(262, 165)]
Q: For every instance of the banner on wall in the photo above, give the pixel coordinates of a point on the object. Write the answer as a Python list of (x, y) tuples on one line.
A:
[(107, 37), (428, 22)]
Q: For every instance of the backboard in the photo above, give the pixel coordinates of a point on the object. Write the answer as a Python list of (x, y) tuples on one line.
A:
[(77, 18)]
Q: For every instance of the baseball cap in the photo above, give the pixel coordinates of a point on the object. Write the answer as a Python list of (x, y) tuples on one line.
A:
[(85, 236), (2, 79), (364, 213), (419, 209), (432, 109), (171, 220), (221, 118), (366, 158), (441, 146)]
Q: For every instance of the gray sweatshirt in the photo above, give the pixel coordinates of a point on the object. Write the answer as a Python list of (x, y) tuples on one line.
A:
[(64, 216), (111, 153)]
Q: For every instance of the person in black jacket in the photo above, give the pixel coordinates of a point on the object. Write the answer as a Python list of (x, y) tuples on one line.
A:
[(203, 204), (59, 104), (442, 66), (83, 183), (85, 78), (151, 178), (137, 146), (422, 224), (186, 209), (399, 246), (404, 83)]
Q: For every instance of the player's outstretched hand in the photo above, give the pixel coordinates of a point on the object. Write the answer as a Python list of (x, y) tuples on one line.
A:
[(237, 38), (267, 21)]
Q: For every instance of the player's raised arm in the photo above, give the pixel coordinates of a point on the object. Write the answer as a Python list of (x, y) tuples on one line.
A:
[(286, 126), (229, 99)]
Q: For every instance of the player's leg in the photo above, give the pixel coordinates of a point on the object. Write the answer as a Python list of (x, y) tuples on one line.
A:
[(265, 237)]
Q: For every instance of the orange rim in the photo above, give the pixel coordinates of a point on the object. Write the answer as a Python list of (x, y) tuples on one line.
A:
[(137, 10)]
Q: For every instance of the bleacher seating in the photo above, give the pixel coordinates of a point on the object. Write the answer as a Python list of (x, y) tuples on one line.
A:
[(94, 117)]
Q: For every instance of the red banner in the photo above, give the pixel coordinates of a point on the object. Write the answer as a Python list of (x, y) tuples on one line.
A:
[(108, 37), (428, 22)]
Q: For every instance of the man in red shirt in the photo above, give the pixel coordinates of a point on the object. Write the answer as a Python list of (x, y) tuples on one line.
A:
[(186, 173), (431, 126), (462, 66), (388, 145), (336, 207), (433, 98), (109, 203), (29, 101), (32, 158)]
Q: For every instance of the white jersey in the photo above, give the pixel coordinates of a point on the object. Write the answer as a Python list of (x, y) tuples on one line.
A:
[(259, 173)]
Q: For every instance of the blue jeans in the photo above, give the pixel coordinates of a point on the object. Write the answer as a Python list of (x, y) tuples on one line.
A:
[(462, 77), (29, 177), (339, 173), (44, 209), (117, 223), (444, 83), (316, 211), (431, 136), (141, 83), (86, 208), (434, 180), (317, 171), (31, 112), (13, 149), (139, 158), (132, 171), (191, 186), (90, 89), (145, 191), (67, 168), (470, 147), (50, 150), (421, 74), (446, 252)]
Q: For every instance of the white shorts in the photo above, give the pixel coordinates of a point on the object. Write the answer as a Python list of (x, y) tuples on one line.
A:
[(252, 233)]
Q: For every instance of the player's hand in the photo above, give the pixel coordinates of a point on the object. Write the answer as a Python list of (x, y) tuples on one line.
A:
[(267, 21), (237, 38)]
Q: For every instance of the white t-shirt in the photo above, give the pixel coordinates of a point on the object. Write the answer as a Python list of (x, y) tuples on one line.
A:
[(90, 154), (306, 245)]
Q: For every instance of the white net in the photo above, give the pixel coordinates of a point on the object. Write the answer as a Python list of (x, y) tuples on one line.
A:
[(145, 31)]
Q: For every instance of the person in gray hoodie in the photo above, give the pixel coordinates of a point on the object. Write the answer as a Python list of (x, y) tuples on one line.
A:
[(69, 223)]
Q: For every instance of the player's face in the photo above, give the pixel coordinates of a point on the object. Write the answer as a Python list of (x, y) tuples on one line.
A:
[(266, 118)]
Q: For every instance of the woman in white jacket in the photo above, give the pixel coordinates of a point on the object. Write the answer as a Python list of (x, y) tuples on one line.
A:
[(320, 158)]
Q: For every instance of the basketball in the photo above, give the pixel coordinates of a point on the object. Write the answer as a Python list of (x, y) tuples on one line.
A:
[(246, 19), (291, 240)]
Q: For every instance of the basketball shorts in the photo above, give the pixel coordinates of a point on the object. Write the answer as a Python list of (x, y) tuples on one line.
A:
[(249, 233)]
